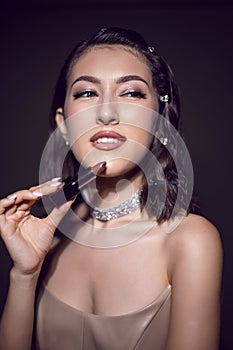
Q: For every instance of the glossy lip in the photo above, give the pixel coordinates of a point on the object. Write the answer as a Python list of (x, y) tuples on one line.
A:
[(107, 146)]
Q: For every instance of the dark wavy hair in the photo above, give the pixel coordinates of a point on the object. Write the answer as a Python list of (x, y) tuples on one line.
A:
[(164, 181)]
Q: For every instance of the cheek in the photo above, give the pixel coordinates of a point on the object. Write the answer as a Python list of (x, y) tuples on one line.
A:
[(143, 120), (80, 150), (144, 138), (80, 125), (70, 106), (143, 134), (68, 110)]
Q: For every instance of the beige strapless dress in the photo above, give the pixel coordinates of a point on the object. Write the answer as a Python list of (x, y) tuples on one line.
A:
[(62, 327)]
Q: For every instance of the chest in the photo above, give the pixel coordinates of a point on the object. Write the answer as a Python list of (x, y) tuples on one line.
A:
[(108, 281)]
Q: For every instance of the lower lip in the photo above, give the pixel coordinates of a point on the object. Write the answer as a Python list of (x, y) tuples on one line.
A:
[(107, 146)]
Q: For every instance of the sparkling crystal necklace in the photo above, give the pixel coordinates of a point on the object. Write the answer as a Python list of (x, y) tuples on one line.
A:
[(122, 209)]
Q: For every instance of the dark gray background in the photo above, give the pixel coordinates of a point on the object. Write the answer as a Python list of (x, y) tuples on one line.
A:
[(195, 37)]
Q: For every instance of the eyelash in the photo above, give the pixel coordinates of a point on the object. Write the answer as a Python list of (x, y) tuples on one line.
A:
[(134, 94), (85, 94), (90, 93)]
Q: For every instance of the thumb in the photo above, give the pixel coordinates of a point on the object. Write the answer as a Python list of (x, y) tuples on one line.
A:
[(57, 214)]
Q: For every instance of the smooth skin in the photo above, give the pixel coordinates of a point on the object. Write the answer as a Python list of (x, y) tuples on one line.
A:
[(28, 239), (189, 258)]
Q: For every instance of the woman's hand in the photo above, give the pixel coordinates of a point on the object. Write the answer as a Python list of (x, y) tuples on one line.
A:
[(28, 238)]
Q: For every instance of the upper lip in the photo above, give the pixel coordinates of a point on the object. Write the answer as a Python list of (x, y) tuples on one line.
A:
[(107, 133)]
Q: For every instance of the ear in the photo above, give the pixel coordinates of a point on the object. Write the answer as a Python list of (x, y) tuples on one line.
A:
[(60, 120)]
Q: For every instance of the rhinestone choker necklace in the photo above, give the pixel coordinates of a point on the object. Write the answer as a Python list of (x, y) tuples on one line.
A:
[(122, 209)]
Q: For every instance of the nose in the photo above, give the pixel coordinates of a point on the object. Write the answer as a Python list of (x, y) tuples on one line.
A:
[(107, 114)]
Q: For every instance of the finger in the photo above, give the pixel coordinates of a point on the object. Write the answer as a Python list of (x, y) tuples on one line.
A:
[(16, 211), (48, 187), (10, 211), (32, 193), (25, 195), (7, 202), (24, 199), (21, 206), (56, 215), (47, 183)]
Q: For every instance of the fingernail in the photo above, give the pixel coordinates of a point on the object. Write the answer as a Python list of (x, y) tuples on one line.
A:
[(37, 194), (11, 196), (55, 184), (55, 179)]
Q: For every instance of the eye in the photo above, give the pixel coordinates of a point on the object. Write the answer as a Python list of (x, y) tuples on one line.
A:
[(84, 94), (134, 94)]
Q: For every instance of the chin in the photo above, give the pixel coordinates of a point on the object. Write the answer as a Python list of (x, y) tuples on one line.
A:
[(117, 164), (119, 168)]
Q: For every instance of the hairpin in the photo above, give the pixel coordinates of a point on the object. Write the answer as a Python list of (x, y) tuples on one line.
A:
[(102, 31), (163, 140), (161, 182), (151, 48), (164, 98)]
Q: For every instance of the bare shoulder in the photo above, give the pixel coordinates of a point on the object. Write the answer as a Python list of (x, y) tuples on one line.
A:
[(194, 231), (194, 266), (195, 240)]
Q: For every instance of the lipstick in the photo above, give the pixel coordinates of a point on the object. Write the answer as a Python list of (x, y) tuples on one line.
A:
[(73, 185), (107, 140), (107, 133)]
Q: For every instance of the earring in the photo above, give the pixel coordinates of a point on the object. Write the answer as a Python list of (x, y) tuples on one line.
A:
[(67, 143), (163, 140)]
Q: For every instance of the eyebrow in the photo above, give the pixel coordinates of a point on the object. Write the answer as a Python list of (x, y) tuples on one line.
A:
[(120, 80), (126, 78)]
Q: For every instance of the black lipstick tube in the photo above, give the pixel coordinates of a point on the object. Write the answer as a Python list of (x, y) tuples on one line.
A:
[(73, 185)]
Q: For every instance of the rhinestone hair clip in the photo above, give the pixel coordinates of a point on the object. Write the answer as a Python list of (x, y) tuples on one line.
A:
[(164, 98), (151, 49), (162, 182)]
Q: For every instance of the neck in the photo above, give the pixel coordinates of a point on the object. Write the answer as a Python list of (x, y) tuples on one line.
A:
[(111, 191)]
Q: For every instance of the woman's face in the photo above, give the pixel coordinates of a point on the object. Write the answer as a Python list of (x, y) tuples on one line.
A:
[(109, 109)]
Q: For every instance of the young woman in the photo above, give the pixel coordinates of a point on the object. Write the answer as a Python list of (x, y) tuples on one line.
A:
[(126, 265)]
